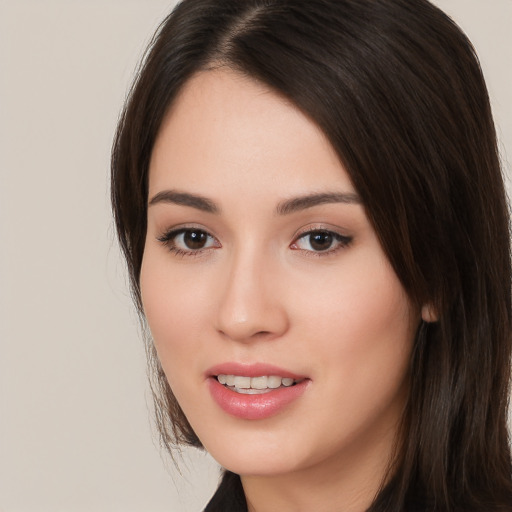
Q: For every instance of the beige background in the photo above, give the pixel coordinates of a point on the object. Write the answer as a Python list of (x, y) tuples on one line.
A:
[(75, 432)]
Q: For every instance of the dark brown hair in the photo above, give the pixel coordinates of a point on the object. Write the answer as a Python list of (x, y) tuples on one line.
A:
[(396, 87)]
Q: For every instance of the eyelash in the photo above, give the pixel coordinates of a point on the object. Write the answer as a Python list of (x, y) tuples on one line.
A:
[(169, 239), (340, 241)]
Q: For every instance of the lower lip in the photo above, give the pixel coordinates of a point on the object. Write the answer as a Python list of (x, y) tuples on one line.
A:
[(255, 407)]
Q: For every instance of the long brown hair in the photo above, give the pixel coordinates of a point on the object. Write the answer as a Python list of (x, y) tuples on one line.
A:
[(397, 88)]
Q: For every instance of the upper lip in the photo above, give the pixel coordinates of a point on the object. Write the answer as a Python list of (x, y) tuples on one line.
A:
[(251, 370)]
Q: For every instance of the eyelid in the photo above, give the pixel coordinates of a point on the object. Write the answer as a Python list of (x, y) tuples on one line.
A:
[(315, 227), (343, 240), (179, 228), (168, 237)]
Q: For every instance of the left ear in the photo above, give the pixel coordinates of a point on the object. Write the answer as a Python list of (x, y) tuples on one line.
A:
[(428, 314)]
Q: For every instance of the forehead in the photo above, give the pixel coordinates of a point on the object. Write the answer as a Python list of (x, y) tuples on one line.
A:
[(227, 128)]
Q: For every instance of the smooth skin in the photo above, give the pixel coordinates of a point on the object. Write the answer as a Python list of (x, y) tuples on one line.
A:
[(235, 276)]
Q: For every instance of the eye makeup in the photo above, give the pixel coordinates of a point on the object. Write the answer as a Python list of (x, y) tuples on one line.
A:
[(321, 242), (194, 241), (188, 241)]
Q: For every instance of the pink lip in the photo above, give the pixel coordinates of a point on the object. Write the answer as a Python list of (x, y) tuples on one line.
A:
[(254, 407)]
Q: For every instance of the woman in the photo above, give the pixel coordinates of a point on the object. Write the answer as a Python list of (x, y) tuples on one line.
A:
[(309, 199)]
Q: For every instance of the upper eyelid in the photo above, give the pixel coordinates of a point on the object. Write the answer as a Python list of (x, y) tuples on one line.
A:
[(167, 234), (180, 228), (301, 232), (343, 243), (174, 232), (312, 228), (337, 235)]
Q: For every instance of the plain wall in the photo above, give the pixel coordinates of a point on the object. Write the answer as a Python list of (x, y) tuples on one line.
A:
[(75, 428)]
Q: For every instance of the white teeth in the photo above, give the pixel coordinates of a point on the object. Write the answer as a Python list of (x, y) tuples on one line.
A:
[(242, 382), (273, 381), (259, 382), (253, 385), (251, 391)]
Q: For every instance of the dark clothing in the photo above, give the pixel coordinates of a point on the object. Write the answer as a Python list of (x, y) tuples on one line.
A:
[(229, 497)]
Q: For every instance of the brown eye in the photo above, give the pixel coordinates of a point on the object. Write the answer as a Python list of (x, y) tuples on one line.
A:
[(321, 241), (195, 239), (188, 241)]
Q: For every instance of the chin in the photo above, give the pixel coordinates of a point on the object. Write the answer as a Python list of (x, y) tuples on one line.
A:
[(260, 453), (266, 464)]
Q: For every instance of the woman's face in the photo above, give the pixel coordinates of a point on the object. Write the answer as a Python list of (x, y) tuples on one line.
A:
[(260, 266)]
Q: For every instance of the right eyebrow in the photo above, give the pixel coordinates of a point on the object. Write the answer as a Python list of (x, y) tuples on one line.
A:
[(311, 200), (185, 199)]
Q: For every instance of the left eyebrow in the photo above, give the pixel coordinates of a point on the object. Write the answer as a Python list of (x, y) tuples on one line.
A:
[(185, 199), (309, 201)]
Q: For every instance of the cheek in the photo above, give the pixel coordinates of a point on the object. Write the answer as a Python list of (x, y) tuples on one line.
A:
[(361, 301), (172, 306), (363, 327)]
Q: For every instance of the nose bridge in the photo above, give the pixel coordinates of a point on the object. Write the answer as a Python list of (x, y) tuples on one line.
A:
[(249, 305)]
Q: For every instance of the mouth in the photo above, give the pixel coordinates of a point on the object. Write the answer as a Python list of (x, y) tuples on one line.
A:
[(255, 385)]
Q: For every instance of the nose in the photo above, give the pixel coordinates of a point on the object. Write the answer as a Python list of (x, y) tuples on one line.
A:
[(250, 305)]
